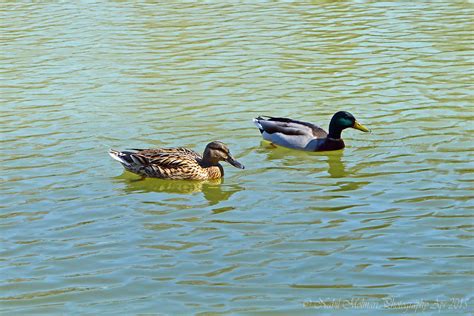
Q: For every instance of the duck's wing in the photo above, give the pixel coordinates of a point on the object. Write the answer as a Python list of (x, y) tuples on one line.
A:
[(161, 163), (290, 133), (289, 127), (171, 151)]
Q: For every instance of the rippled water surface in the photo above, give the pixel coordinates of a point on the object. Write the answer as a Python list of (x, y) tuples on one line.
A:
[(386, 221)]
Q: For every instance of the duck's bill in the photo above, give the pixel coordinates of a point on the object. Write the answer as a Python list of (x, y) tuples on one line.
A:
[(235, 163), (360, 127)]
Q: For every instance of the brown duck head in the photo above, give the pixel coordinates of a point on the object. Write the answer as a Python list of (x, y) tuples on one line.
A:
[(218, 151)]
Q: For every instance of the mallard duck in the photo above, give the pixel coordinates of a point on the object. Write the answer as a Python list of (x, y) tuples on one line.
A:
[(307, 136), (177, 163)]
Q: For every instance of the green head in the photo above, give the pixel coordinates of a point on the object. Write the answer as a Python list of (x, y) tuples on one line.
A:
[(342, 120)]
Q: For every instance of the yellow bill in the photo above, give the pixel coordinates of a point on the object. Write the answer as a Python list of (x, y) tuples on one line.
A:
[(360, 127)]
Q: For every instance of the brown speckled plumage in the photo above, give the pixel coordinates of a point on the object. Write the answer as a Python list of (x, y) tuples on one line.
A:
[(177, 163)]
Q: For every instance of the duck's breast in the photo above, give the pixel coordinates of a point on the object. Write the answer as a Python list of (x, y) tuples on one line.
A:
[(215, 172)]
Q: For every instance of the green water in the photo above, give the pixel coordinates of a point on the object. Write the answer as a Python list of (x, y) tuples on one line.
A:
[(387, 221)]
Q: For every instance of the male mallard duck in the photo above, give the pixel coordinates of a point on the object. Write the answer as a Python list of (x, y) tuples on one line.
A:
[(307, 136), (177, 163)]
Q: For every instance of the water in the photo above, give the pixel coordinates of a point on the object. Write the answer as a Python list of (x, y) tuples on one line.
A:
[(387, 221)]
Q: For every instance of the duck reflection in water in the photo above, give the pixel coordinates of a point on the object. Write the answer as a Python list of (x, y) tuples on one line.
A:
[(336, 168), (214, 191)]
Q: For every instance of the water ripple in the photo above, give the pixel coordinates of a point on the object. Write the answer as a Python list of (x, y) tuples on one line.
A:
[(386, 218)]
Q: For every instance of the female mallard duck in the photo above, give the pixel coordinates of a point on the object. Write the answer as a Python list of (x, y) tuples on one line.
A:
[(307, 136), (177, 163)]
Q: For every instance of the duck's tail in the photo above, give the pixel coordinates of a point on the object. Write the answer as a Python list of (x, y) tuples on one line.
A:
[(122, 157), (256, 121)]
